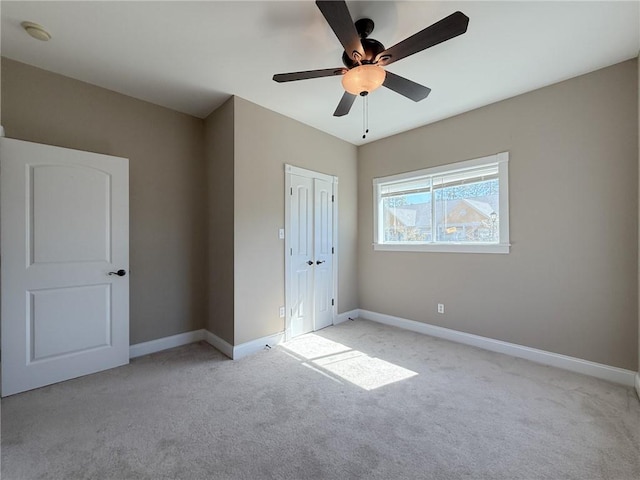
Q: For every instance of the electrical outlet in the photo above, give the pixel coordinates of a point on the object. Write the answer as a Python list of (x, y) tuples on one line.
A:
[(281, 312), (281, 233), (441, 308)]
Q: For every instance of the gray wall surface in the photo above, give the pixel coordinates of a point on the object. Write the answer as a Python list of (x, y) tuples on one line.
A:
[(0, 74), (570, 283), (264, 142), (219, 154), (167, 184)]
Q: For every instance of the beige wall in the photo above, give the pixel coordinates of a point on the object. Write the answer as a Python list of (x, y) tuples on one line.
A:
[(570, 283), (219, 154), (264, 142), (188, 268), (167, 185), (0, 78)]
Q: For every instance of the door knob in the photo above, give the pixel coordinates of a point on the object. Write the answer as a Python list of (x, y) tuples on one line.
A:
[(309, 262), (120, 273), (320, 261)]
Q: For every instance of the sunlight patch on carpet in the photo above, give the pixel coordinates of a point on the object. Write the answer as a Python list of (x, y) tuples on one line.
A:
[(338, 360), (313, 346)]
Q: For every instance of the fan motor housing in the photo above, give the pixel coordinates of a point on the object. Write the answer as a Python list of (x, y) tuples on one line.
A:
[(371, 49)]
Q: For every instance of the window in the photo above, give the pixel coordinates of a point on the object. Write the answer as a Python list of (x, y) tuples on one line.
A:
[(462, 207)]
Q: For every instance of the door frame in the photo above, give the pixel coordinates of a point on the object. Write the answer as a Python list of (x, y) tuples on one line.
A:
[(303, 172)]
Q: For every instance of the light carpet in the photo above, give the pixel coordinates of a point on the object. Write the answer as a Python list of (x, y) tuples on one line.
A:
[(355, 401)]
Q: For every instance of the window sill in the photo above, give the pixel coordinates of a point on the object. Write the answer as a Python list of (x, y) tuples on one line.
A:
[(444, 248)]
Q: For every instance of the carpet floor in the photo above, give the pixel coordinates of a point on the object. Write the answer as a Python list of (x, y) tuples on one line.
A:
[(355, 401)]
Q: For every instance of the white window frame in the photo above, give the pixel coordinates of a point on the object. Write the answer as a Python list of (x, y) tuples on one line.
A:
[(499, 159)]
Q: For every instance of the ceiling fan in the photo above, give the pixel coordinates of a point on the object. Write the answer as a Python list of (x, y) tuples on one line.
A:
[(364, 57)]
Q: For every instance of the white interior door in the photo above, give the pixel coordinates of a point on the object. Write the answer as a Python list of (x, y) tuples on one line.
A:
[(301, 253), (64, 216), (323, 244), (310, 248)]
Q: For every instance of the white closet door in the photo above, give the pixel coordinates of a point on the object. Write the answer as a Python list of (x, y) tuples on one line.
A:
[(301, 252), (310, 275), (323, 257)]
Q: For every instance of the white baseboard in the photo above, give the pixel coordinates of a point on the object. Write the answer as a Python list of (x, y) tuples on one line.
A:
[(218, 343), (254, 346), (586, 367), (343, 317), (234, 352), (153, 346)]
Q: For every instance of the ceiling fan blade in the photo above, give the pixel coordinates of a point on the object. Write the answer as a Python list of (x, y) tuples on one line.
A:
[(339, 19), (345, 104), (446, 29), (293, 76), (406, 87)]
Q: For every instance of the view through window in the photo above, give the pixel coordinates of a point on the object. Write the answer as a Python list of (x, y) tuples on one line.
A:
[(464, 203)]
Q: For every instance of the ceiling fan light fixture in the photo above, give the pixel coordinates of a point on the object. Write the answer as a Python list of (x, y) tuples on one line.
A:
[(363, 78)]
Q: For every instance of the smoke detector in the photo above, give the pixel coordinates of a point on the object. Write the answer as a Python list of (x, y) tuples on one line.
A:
[(36, 31)]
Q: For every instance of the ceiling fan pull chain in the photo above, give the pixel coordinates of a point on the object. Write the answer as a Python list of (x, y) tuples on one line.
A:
[(366, 99), (364, 116)]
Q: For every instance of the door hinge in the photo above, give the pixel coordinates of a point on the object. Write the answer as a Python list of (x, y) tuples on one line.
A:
[(333, 198), (291, 191), (291, 251), (332, 251), (332, 302)]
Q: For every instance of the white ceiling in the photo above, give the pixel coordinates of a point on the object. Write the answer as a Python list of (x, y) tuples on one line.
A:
[(191, 56)]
